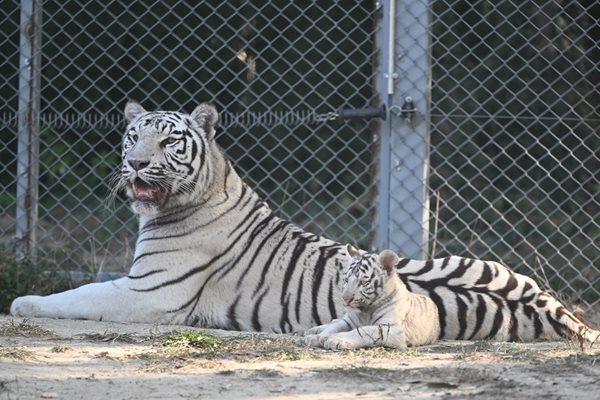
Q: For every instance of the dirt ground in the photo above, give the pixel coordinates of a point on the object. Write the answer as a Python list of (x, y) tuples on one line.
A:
[(63, 359)]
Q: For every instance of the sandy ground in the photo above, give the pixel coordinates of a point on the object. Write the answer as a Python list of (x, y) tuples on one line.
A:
[(63, 359)]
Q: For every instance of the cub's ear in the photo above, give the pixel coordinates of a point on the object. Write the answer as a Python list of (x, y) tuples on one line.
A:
[(353, 251), (206, 116), (388, 260), (132, 110)]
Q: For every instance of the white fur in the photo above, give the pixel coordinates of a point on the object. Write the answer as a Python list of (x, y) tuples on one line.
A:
[(226, 261)]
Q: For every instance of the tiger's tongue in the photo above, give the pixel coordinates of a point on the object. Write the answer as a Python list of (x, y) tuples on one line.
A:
[(145, 192)]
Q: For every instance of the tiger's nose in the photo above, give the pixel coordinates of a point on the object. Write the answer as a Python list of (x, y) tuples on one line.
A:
[(137, 164), (347, 299)]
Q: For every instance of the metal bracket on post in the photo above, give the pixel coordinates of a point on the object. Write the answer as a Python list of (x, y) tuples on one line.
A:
[(407, 111), (28, 130)]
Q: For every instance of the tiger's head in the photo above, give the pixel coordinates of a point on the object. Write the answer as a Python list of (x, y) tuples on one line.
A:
[(365, 277), (164, 156)]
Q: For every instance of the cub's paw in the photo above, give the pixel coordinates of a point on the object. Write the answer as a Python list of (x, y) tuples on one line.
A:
[(315, 330), (314, 340), (26, 306), (337, 343)]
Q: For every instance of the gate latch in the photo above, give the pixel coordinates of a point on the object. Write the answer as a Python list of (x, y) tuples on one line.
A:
[(406, 111)]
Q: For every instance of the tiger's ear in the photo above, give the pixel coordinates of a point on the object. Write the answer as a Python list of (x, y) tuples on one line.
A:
[(132, 110), (352, 251), (206, 116), (388, 260)]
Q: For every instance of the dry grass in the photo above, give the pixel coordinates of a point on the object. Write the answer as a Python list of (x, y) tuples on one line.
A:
[(24, 328), (16, 353), (173, 350), (210, 363), (60, 348), (113, 337)]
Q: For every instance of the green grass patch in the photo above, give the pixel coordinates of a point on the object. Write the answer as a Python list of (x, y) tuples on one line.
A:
[(198, 340)]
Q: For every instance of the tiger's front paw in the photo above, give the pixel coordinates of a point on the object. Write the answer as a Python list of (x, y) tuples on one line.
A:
[(314, 340), (315, 330), (26, 306), (337, 343)]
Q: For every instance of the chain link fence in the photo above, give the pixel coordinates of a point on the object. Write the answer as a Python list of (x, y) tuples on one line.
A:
[(515, 138), (278, 71), (498, 155)]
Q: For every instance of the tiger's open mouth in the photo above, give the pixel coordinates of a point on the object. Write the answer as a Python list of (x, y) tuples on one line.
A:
[(148, 192)]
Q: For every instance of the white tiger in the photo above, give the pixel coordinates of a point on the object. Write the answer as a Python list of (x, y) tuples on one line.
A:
[(381, 311), (211, 253)]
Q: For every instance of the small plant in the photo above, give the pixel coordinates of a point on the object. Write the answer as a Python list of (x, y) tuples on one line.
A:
[(197, 340), (60, 348)]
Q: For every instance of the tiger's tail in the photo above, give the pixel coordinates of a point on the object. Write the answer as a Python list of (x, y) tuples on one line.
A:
[(570, 325), (589, 334)]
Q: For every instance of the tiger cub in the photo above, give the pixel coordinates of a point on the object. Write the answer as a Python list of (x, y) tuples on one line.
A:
[(380, 309)]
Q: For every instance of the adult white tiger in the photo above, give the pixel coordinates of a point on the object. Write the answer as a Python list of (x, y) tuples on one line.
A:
[(211, 253)]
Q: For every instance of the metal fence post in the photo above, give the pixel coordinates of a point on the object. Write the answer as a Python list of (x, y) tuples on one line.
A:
[(405, 61), (385, 43), (28, 129)]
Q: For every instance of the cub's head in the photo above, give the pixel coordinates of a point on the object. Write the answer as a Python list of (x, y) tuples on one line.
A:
[(366, 275), (165, 156)]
